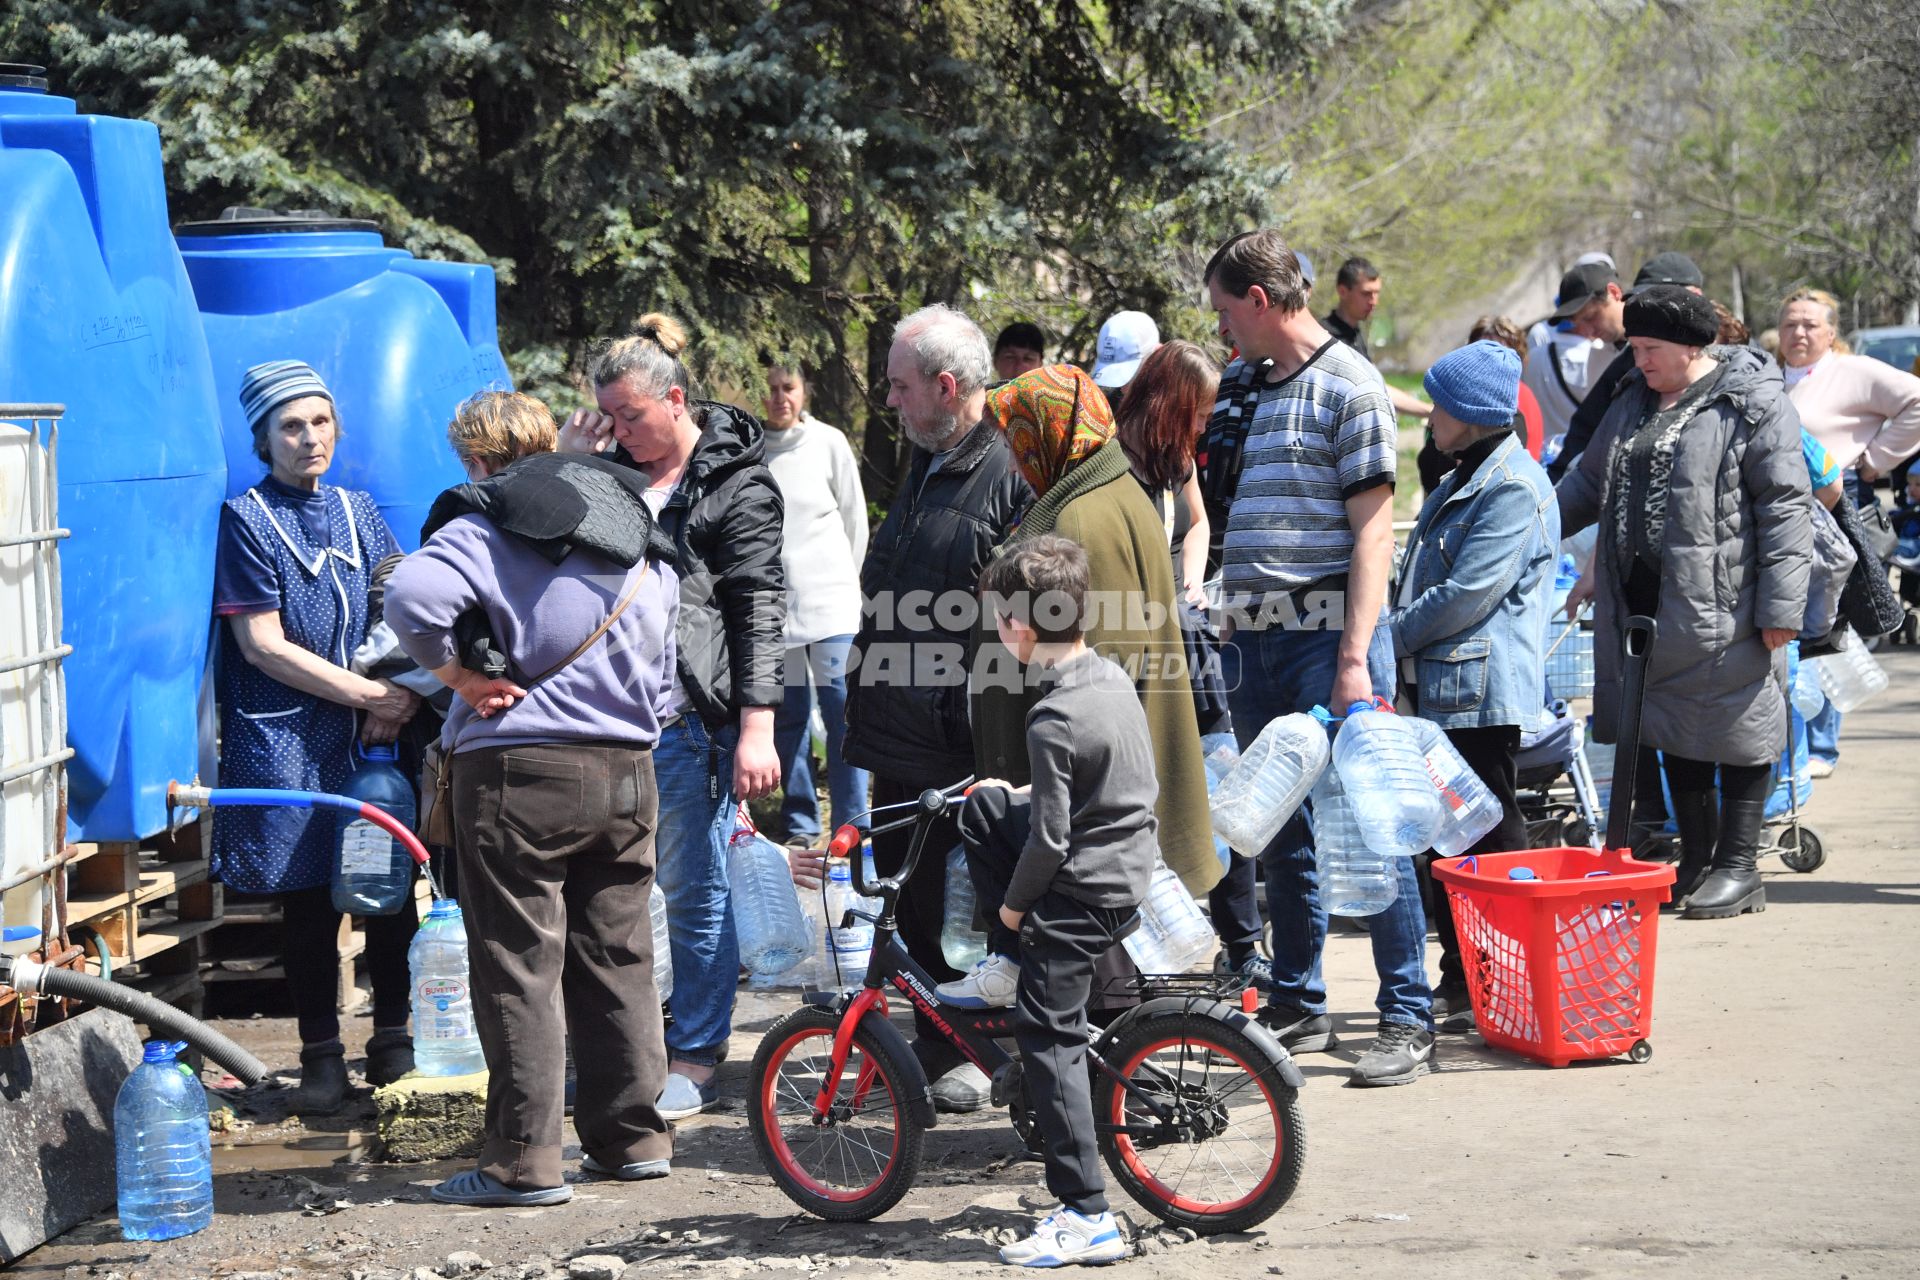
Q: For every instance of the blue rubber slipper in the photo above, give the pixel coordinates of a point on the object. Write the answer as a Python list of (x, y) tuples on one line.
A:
[(632, 1171), (477, 1189)]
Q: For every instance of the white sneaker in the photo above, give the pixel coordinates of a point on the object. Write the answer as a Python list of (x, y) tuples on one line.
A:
[(991, 985), (1064, 1238), (1820, 768)]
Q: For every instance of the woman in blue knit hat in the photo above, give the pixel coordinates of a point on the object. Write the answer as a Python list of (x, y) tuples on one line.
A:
[(1470, 619), (295, 560)]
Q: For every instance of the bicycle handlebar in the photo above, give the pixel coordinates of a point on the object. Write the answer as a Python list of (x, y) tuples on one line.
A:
[(928, 807)]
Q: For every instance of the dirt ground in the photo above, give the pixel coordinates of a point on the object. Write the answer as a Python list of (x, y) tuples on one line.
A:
[(1774, 1132)]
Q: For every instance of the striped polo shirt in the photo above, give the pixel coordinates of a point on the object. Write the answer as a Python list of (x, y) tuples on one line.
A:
[(1312, 441)]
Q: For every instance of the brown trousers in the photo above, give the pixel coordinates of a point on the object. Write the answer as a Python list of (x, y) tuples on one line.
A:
[(555, 849)]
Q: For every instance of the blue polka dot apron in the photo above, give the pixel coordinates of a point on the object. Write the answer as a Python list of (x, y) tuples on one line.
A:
[(273, 735)]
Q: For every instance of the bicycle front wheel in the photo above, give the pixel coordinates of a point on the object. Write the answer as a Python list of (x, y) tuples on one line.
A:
[(1229, 1151), (859, 1161)]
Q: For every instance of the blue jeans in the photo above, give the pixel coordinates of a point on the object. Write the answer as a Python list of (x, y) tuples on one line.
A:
[(694, 772), (1276, 672), (825, 661), (1823, 735)]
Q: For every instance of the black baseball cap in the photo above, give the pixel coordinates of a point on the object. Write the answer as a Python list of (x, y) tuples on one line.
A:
[(1580, 286), (1668, 268)]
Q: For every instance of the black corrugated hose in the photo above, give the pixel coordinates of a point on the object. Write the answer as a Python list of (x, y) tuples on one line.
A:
[(165, 1020)]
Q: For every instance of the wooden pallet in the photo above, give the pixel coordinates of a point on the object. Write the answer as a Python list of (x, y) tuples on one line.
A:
[(247, 948), (145, 899)]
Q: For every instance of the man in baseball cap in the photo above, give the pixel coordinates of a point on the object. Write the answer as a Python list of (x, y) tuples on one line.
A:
[(1127, 338)]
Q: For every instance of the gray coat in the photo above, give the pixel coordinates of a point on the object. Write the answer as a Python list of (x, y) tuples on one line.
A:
[(1738, 550)]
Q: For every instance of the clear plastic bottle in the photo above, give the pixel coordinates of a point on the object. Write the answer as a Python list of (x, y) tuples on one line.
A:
[(1850, 677), (1469, 808), (1809, 699), (163, 1155), (766, 912), (1265, 788), (372, 872), (1174, 934), (1384, 775), (960, 942), (850, 941), (445, 1041), (1220, 753), (662, 943), (1354, 880)]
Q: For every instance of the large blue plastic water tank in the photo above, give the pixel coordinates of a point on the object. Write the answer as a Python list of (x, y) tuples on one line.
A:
[(96, 312), (399, 341)]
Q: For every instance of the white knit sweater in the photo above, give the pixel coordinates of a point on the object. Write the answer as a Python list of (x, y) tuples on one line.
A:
[(824, 537), (1856, 405)]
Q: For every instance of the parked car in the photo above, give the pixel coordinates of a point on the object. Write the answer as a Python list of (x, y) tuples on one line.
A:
[(1897, 345)]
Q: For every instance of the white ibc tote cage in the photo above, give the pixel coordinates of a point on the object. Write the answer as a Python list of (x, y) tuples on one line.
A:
[(33, 695)]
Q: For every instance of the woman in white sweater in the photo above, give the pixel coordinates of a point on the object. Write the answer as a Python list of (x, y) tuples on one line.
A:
[(824, 541)]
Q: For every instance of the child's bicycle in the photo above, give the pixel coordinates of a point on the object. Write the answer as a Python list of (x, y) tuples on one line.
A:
[(1194, 1103)]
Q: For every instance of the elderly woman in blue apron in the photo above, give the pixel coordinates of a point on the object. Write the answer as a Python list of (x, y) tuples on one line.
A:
[(290, 586)]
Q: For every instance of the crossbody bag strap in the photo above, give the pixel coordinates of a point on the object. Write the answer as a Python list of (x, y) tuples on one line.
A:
[(633, 590)]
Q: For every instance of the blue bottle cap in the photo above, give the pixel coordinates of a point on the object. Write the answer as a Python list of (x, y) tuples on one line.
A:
[(164, 1050), (19, 933), (385, 752), (1321, 714), (444, 909), (1521, 873), (1356, 708)]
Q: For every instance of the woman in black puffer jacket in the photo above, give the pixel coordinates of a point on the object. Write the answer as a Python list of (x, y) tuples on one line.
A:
[(712, 492)]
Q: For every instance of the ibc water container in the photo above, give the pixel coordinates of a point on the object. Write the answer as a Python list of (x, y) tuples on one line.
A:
[(662, 943), (163, 1158), (445, 1041), (961, 943), (372, 871), (1850, 677), (1384, 776), (31, 831), (1354, 880), (399, 342), (771, 929), (97, 313), (1265, 788), (1174, 934), (1469, 809)]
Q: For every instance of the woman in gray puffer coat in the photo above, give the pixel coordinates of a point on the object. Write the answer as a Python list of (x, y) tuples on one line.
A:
[(1696, 479)]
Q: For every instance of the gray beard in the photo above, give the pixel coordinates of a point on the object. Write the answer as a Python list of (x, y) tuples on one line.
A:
[(938, 441)]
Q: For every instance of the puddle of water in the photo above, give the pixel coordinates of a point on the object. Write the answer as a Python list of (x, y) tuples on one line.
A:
[(310, 1151)]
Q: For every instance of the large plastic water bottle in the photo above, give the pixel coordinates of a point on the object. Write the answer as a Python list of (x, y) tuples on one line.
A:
[(849, 939), (162, 1154), (1384, 775), (1469, 808), (662, 943), (373, 872), (1273, 776), (1849, 677), (445, 1041), (1220, 753), (766, 911), (963, 945), (1809, 699), (1174, 935), (1354, 880)]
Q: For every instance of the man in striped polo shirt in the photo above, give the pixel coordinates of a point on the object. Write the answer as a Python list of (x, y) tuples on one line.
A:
[(1301, 450)]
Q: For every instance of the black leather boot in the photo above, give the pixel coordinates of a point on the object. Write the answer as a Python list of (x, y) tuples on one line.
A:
[(1697, 815), (323, 1080), (1733, 885), (389, 1055)]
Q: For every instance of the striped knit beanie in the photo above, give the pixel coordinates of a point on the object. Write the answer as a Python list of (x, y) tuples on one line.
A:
[(266, 387)]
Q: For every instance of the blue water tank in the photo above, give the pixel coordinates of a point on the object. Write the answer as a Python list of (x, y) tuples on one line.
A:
[(96, 313), (399, 341)]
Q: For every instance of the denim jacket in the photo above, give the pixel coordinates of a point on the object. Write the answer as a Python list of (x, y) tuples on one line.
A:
[(1476, 589)]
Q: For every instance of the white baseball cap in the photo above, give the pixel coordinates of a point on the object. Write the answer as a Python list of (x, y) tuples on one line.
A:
[(1127, 338)]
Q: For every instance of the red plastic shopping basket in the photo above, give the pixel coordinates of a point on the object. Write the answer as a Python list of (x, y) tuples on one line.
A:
[(1560, 966)]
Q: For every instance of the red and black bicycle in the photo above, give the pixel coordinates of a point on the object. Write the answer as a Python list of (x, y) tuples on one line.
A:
[(1194, 1102)]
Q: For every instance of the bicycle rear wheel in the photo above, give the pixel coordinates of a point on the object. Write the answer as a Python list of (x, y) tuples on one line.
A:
[(857, 1164), (1231, 1152)]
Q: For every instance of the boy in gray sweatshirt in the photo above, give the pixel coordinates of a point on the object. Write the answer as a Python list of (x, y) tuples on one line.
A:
[(1067, 860)]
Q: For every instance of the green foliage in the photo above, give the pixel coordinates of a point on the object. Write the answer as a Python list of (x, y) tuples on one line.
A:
[(786, 177)]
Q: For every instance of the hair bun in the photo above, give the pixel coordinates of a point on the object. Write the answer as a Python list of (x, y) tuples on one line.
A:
[(663, 331)]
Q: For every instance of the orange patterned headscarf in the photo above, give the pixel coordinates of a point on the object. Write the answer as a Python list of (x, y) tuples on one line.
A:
[(1053, 418)]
